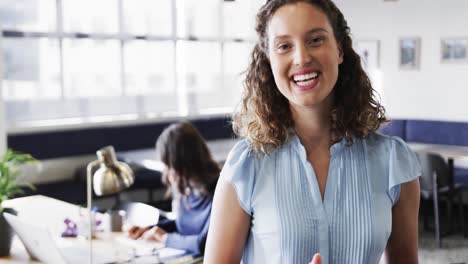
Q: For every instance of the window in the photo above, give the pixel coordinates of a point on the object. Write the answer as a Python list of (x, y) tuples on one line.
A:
[(31, 69), (90, 16), (239, 18), (85, 60), (196, 20), (149, 67), (148, 17), (28, 15), (235, 60)]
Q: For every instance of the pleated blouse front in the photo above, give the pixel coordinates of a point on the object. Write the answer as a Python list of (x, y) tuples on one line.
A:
[(290, 222)]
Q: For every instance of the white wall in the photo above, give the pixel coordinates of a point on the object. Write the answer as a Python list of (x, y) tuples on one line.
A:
[(435, 92)]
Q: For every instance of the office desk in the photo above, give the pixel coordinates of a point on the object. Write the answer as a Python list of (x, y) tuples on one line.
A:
[(18, 253), (147, 157), (447, 151), (51, 212), (451, 153)]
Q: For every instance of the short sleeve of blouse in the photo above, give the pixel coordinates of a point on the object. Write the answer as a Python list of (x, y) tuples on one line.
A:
[(404, 167), (239, 170)]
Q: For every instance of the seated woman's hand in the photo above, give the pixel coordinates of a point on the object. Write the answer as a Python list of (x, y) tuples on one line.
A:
[(317, 259), (156, 234), (136, 232)]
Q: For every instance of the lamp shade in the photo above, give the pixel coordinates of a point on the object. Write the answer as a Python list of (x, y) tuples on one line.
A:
[(112, 176)]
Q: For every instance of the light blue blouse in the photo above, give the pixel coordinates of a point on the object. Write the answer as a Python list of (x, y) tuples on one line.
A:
[(290, 222)]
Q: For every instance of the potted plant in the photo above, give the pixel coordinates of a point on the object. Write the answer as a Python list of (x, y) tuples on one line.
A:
[(9, 171)]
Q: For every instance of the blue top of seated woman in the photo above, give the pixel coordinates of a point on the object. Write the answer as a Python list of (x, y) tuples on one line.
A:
[(190, 229)]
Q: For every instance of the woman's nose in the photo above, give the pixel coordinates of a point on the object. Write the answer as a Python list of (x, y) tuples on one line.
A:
[(302, 55)]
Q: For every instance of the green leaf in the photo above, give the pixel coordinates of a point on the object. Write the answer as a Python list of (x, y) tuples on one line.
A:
[(9, 171)]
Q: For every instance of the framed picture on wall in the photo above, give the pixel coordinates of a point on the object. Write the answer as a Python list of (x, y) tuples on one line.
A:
[(454, 50), (410, 50), (368, 50)]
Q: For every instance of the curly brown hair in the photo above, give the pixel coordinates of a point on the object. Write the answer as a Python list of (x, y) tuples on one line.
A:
[(264, 117)]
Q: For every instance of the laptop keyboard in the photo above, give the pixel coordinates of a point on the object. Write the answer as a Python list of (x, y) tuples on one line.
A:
[(81, 255), (144, 248), (139, 245)]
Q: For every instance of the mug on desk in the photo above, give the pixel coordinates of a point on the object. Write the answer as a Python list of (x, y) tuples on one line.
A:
[(82, 225), (116, 219)]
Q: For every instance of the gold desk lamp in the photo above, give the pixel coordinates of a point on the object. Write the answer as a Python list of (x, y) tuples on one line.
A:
[(111, 177)]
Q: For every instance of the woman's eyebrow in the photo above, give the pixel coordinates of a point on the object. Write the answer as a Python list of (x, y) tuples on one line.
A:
[(316, 30), (312, 31)]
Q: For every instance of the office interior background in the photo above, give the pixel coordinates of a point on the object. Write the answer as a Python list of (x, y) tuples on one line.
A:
[(122, 66), (83, 64), (80, 64)]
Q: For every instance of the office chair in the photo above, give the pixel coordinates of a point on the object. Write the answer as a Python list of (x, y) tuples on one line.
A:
[(436, 184)]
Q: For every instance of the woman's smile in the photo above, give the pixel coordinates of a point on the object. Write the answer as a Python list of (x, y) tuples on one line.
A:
[(305, 80)]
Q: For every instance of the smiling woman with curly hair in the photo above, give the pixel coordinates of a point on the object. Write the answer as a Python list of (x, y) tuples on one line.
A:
[(312, 179), (265, 117)]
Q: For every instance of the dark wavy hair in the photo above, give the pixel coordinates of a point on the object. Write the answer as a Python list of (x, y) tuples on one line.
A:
[(182, 148), (264, 117)]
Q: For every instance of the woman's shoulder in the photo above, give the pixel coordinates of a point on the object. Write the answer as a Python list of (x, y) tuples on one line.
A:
[(245, 162), (241, 146), (242, 152), (240, 170), (389, 151), (393, 156), (379, 141), (239, 159)]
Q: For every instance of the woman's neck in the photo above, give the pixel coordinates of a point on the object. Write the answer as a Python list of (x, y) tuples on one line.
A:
[(312, 125)]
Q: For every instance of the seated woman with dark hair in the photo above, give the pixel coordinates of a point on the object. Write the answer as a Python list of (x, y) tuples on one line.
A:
[(191, 174)]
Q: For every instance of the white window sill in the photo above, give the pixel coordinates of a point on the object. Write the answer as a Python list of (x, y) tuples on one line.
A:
[(27, 127)]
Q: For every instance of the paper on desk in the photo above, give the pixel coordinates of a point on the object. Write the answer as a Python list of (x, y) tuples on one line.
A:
[(145, 247), (142, 245), (154, 259)]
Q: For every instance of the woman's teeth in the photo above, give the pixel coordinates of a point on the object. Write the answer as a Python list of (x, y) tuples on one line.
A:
[(305, 79), (305, 83)]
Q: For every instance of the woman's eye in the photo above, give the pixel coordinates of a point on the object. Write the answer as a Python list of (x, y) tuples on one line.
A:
[(283, 47), (316, 41)]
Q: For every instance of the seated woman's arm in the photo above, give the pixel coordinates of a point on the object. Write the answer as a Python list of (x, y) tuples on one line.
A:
[(192, 243), (229, 227), (168, 225), (135, 232)]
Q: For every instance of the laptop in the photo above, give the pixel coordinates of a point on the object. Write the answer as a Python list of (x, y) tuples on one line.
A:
[(143, 248), (41, 246)]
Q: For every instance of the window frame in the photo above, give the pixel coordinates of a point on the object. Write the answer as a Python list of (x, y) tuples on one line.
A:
[(184, 109)]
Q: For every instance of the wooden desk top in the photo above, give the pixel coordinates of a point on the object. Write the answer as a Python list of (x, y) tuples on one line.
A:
[(108, 243), (51, 212)]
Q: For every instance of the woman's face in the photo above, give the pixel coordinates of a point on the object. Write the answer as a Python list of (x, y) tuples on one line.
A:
[(304, 54), (171, 174)]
